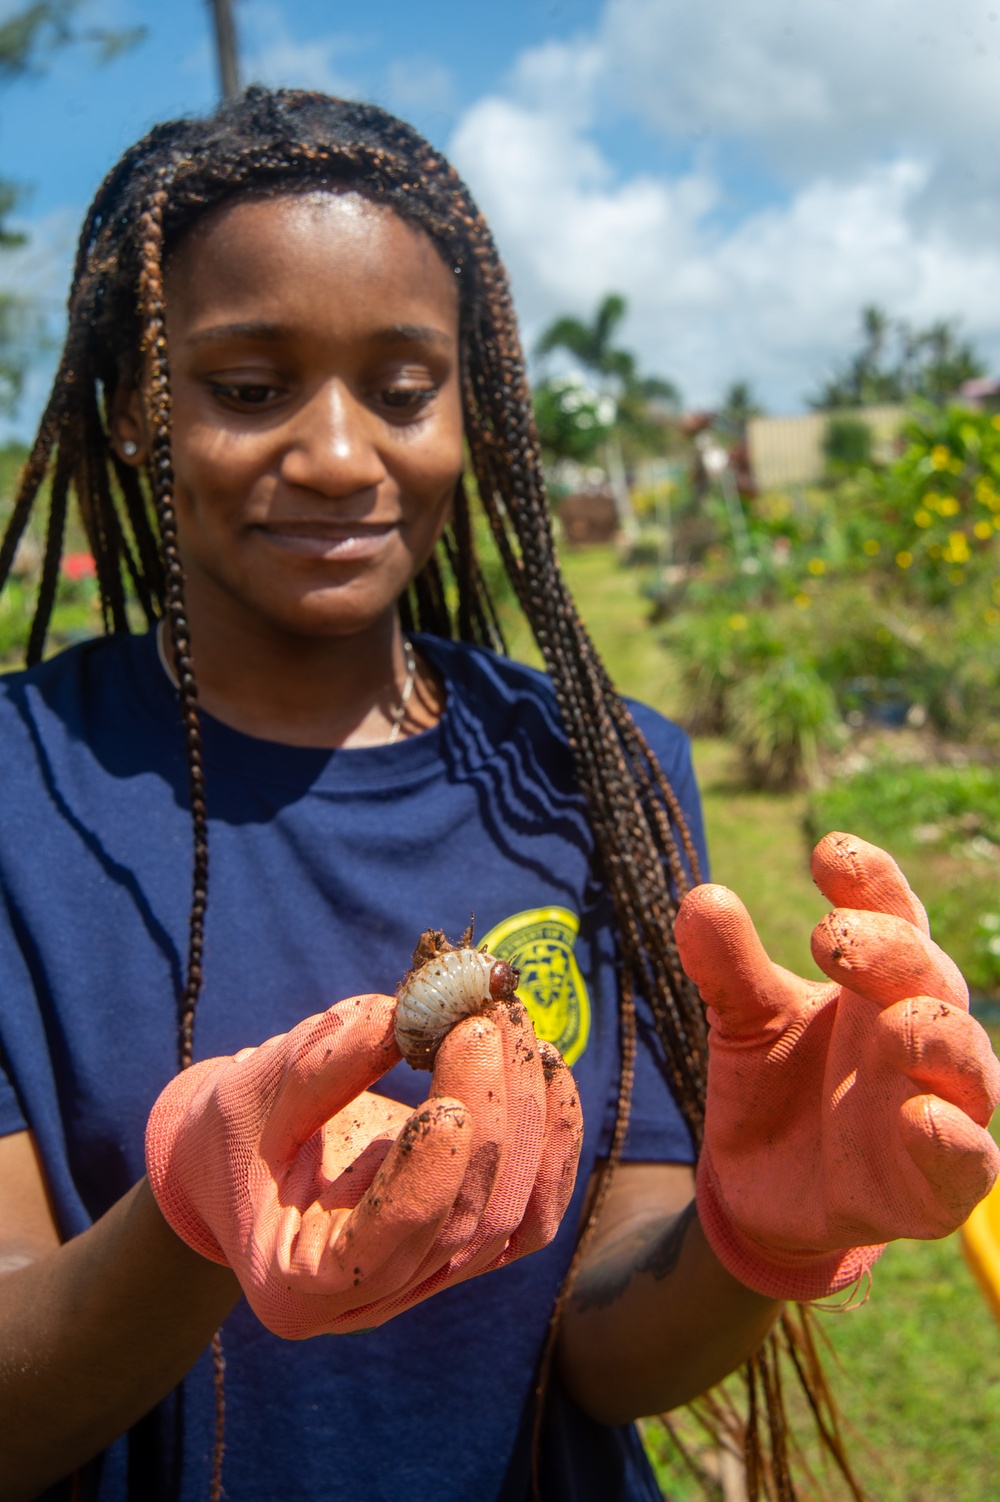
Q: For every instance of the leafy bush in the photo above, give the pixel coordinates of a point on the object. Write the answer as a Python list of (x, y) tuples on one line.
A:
[(904, 801), (573, 421), (944, 823), (75, 617), (932, 519), (886, 585), (780, 717), (754, 678), (847, 443)]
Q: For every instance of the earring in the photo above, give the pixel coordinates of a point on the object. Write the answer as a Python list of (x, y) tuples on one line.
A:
[(129, 448)]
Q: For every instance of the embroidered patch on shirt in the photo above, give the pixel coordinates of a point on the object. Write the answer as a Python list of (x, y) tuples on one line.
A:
[(540, 943)]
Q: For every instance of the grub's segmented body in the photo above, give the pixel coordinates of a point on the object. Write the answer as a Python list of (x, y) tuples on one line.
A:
[(445, 985)]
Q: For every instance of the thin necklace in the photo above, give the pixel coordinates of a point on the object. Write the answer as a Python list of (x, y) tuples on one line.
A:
[(404, 698)]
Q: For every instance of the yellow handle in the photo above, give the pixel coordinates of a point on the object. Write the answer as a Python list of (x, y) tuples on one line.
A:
[(981, 1245)]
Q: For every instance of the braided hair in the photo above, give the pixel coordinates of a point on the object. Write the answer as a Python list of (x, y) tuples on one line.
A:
[(285, 141)]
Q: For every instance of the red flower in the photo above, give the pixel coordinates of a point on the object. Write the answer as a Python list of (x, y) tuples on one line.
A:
[(78, 566)]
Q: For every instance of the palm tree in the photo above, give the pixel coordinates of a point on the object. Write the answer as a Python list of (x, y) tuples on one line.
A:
[(615, 375), (931, 363), (591, 343)]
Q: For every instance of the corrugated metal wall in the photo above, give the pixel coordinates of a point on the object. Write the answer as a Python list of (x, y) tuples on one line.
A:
[(789, 450)]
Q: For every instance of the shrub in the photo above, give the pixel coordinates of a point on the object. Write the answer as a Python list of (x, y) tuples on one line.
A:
[(943, 821), (847, 443), (754, 678), (779, 719), (713, 652), (932, 519)]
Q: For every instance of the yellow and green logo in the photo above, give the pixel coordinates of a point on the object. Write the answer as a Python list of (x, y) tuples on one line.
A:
[(540, 943)]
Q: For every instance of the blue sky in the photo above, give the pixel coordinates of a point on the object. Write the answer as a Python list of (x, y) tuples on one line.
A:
[(747, 176)]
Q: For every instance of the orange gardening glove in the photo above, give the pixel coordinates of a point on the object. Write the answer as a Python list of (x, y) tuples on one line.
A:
[(336, 1208), (839, 1116)]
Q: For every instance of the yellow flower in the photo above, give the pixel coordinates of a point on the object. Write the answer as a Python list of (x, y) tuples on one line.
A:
[(871, 546), (985, 489), (738, 623), (803, 601), (996, 420), (948, 506), (904, 559), (990, 615), (932, 500), (956, 576), (922, 518), (939, 456), (816, 566), (957, 550), (956, 466), (983, 530)]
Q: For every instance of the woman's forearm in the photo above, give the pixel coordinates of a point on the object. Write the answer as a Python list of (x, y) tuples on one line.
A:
[(655, 1319), (93, 1334)]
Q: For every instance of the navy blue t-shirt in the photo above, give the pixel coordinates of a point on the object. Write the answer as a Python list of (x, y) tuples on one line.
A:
[(325, 866)]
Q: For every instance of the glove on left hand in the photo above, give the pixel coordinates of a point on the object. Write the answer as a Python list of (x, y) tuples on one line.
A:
[(337, 1208), (839, 1116)]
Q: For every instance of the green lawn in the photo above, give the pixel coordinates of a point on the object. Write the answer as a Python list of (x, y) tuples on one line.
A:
[(921, 1360), (616, 615)]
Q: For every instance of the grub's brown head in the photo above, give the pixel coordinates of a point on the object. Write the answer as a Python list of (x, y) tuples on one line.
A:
[(504, 981)]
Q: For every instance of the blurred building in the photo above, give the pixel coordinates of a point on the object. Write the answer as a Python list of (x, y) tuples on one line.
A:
[(983, 394), (790, 450)]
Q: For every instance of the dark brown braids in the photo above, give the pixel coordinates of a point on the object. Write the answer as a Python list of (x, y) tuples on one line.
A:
[(290, 141)]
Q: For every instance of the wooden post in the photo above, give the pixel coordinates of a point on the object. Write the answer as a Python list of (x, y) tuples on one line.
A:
[(225, 47)]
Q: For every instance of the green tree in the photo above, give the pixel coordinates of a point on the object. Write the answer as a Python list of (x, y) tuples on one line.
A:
[(738, 406), (896, 363), (591, 343), (616, 376), (573, 421), (943, 361)]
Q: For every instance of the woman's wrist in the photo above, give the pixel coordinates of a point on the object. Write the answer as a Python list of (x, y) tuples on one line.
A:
[(800, 1276)]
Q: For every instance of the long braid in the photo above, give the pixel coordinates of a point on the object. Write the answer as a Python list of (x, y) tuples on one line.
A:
[(157, 395), (58, 505), (292, 141), (36, 468)]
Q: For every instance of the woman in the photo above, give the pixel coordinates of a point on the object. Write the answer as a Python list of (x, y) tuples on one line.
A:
[(289, 322)]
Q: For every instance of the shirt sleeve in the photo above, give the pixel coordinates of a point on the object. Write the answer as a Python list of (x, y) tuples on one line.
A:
[(657, 1130)]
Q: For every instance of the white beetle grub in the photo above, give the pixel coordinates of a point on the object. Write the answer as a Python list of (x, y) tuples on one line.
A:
[(446, 983)]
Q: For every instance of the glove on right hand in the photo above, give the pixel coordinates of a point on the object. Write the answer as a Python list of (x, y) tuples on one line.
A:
[(844, 1115), (337, 1208)]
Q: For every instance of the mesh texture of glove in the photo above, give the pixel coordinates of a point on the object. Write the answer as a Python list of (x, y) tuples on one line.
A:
[(337, 1208), (839, 1116)]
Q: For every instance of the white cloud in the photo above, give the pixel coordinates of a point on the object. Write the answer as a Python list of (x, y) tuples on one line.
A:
[(819, 81), (272, 55), (419, 86), (871, 208)]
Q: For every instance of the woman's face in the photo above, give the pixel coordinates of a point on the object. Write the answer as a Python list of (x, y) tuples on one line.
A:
[(317, 423)]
